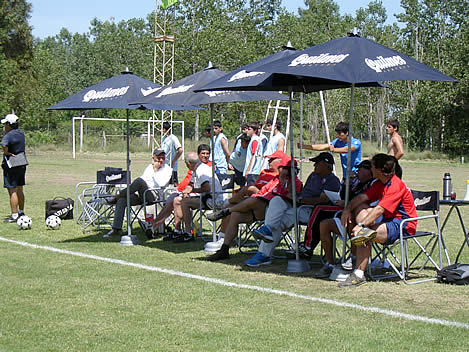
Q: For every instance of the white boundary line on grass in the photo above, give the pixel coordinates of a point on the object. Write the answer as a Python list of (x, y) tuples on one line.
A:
[(249, 287)]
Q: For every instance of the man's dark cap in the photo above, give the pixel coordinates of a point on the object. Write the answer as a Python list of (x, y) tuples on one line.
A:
[(324, 156)]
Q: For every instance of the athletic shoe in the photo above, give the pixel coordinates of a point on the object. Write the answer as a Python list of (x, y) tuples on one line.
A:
[(258, 260), (363, 236), (112, 233), (10, 219), (348, 264), (218, 214), (212, 247), (339, 274), (263, 233), (170, 236), (222, 253), (353, 281), (185, 237), (325, 272), (303, 251)]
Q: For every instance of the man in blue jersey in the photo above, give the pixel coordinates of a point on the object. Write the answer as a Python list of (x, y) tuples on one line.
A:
[(238, 158), (221, 153), (340, 145), (173, 150), (276, 142)]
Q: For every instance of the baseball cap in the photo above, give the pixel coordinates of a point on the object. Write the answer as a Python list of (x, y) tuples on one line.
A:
[(286, 162), (324, 156), (366, 164), (278, 154), (158, 151), (10, 118)]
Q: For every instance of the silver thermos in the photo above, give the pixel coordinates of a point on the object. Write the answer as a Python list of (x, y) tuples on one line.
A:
[(447, 186)]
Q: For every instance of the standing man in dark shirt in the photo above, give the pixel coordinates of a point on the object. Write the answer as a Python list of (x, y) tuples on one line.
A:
[(13, 143)]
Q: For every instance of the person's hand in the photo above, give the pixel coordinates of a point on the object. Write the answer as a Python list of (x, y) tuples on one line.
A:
[(331, 148), (230, 167), (346, 217), (299, 145)]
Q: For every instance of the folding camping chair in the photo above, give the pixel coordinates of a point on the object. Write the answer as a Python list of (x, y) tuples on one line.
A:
[(426, 242), (199, 215), (92, 208)]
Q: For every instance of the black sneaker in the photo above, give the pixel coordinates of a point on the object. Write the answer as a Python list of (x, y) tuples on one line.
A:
[(222, 253), (185, 237), (172, 236), (10, 219), (218, 214)]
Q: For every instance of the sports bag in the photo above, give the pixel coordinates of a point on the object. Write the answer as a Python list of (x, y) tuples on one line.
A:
[(457, 274), (62, 207)]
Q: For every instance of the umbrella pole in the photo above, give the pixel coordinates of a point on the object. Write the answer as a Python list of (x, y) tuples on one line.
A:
[(349, 162), (128, 239), (301, 135), (297, 265), (326, 126), (212, 151)]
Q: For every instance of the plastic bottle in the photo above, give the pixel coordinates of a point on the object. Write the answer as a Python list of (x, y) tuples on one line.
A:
[(447, 186), (466, 197)]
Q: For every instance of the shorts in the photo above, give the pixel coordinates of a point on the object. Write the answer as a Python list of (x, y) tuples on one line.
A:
[(393, 226), (14, 177), (239, 178), (174, 177)]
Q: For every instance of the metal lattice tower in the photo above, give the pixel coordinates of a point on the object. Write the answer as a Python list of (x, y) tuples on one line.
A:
[(163, 64)]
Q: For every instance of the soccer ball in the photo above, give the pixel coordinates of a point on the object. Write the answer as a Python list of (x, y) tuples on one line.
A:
[(24, 222), (53, 222)]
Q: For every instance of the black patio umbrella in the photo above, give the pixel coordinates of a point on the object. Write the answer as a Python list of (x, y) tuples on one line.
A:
[(116, 93), (350, 61)]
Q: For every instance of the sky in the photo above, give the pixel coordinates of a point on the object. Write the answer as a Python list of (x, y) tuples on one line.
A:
[(48, 17)]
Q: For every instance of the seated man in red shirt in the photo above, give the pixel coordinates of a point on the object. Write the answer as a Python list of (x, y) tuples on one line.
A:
[(251, 209), (379, 224)]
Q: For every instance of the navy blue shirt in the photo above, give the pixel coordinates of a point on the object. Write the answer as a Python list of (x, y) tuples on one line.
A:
[(14, 140), (316, 184)]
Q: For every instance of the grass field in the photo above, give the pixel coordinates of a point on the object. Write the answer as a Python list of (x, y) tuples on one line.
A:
[(92, 294)]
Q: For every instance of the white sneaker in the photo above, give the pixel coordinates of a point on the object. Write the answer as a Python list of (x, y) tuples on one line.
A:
[(212, 247), (348, 264), (339, 274)]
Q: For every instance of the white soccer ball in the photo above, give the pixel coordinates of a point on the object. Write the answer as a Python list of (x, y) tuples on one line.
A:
[(53, 222), (24, 222)]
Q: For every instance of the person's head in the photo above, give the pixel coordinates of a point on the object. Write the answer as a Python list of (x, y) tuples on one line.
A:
[(392, 126), (207, 131), (192, 160), (253, 129), (244, 128), (217, 128), (159, 157), (384, 166), (245, 139), (323, 164), (341, 130), (166, 127), (10, 121), (285, 166), (203, 152), (276, 159), (364, 171), (269, 124)]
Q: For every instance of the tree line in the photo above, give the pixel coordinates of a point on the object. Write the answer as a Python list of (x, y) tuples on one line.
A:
[(36, 73)]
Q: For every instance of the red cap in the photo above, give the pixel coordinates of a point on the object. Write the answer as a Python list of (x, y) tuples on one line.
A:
[(287, 162), (278, 154)]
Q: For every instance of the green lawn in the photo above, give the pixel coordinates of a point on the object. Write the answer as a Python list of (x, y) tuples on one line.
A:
[(52, 301)]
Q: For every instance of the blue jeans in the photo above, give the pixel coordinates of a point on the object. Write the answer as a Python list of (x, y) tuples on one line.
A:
[(137, 188)]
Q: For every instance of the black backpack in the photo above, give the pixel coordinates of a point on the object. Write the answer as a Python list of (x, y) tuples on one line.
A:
[(457, 274)]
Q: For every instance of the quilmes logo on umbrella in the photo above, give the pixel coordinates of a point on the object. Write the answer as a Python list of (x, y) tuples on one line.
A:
[(244, 74), (383, 63), (174, 90), (104, 94)]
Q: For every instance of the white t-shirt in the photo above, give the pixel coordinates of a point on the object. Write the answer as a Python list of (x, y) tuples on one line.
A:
[(202, 174), (158, 179)]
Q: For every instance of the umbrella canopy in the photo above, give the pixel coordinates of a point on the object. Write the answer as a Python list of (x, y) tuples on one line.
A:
[(183, 91), (116, 93), (250, 77), (354, 59)]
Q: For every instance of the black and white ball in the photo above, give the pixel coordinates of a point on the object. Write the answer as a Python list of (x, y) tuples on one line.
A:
[(53, 222), (24, 222)]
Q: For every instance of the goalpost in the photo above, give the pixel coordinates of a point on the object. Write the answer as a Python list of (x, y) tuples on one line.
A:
[(149, 123)]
